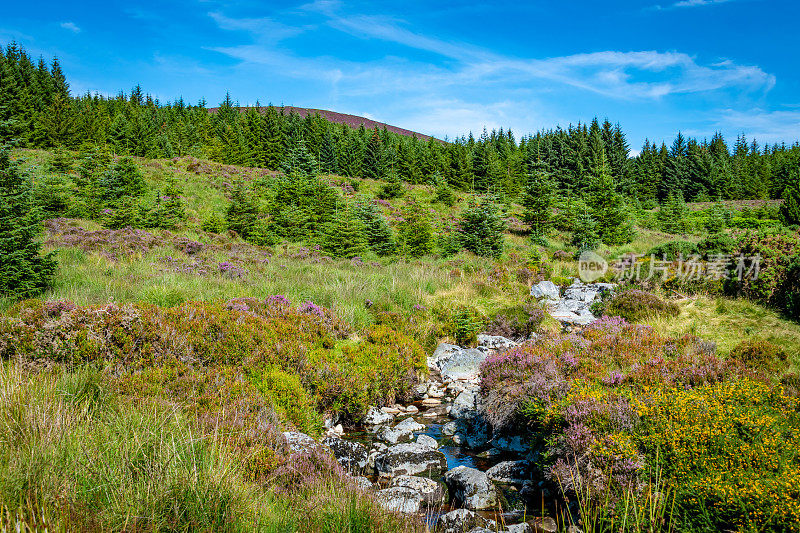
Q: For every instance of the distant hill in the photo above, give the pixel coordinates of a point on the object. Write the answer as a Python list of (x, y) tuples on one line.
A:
[(353, 121)]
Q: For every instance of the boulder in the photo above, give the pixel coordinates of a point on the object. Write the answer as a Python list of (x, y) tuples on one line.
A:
[(376, 417), (450, 428), (524, 527), (300, 442), (459, 521), (401, 432), (511, 472), (465, 405), (409, 459), (478, 433), (400, 500), (471, 487), (433, 492), (363, 483), (454, 362), (543, 525), (509, 443), (353, 457), (427, 440), (545, 290), (494, 343)]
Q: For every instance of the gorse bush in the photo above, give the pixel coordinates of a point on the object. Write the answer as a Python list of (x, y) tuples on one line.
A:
[(617, 401)]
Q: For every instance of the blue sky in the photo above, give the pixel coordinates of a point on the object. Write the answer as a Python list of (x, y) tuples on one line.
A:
[(447, 68)]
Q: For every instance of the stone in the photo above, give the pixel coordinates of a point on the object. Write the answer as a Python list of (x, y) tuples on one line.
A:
[(471, 487), (454, 362), (427, 440), (435, 392), (353, 457), (411, 409), (363, 483), (431, 402), (410, 459), (511, 472), (450, 428), (465, 405), (401, 432), (495, 343), (545, 290), (400, 500), (433, 492), (478, 433), (376, 417), (574, 529), (480, 530), (390, 410), (543, 525), (300, 442), (509, 443), (459, 521), (420, 390)]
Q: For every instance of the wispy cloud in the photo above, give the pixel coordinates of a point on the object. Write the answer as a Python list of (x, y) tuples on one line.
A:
[(691, 3), (70, 26)]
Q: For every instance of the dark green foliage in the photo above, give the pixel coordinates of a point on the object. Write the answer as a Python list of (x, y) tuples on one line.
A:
[(373, 157), (585, 235), (415, 234), (715, 221), (448, 243), (299, 206), (464, 324), (61, 161), (344, 236), (444, 193), (673, 214), (242, 212), (716, 244), (672, 250), (169, 210), (377, 232), (126, 214), (481, 227), (261, 234), (214, 224), (123, 180), (52, 194), (24, 271), (538, 202), (790, 210), (635, 305), (393, 187), (299, 161)]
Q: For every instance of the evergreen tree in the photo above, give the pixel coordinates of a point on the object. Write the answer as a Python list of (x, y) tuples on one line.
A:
[(673, 213), (242, 212), (373, 157), (585, 235), (608, 208), (790, 209), (538, 201), (344, 236), (123, 180), (393, 188), (377, 232), (481, 228), (415, 235), (444, 193), (24, 271)]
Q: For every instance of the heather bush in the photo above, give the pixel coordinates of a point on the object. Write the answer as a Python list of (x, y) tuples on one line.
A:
[(606, 406), (516, 322), (761, 355), (635, 305)]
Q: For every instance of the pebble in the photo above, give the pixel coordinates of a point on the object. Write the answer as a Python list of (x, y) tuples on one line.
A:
[(390, 410), (431, 402), (412, 409)]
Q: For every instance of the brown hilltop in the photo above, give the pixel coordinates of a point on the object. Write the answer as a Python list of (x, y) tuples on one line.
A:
[(354, 121)]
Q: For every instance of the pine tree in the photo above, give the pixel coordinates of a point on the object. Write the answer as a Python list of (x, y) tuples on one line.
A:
[(608, 208), (344, 236), (790, 209), (24, 271), (415, 235), (584, 234), (378, 234), (373, 157), (538, 201), (242, 212), (673, 213), (481, 227)]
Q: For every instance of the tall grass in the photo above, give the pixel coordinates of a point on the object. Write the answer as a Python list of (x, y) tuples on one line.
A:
[(75, 456)]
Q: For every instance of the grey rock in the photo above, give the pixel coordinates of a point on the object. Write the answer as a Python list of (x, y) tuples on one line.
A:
[(450, 428), (427, 440), (354, 457), (478, 433), (519, 528), (433, 492), (511, 472), (465, 405), (480, 530), (494, 343), (409, 459), (543, 525), (454, 362), (399, 500), (459, 521), (509, 443), (471, 487), (299, 442), (375, 417), (363, 483), (545, 290)]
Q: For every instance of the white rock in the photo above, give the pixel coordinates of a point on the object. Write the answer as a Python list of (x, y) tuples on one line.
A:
[(375, 417), (545, 290), (427, 440), (471, 487)]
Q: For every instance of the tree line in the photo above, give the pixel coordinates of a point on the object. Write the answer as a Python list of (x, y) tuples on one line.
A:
[(37, 109)]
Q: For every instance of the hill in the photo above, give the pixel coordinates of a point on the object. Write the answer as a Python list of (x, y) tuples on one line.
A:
[(354, 121)]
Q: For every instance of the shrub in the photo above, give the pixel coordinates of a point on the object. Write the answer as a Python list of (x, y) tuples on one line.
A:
[(464, 324), (122, 181), (344, 236), (61, 161), (517, 322), (376, 229), (444, 193), (415, 235), (242, 212), (716, 244), (481, 228), (672, 250), (169, 210), (289, 399), (635, 305), (761, 355), (213, 224), (393, 188), (752, 223), (673, 215), (790, 209), (585, 234)]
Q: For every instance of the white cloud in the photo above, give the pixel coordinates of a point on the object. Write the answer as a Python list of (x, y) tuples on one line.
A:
[(690, 3), (761, 124), (71, 26)]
